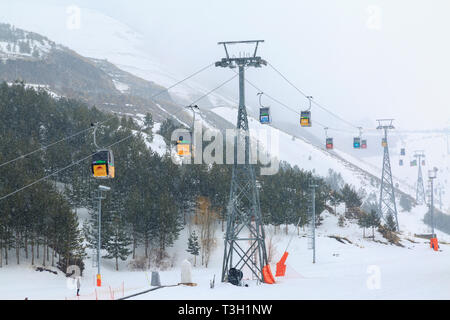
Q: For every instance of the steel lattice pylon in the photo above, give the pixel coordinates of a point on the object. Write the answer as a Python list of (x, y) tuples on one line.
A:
[(244, 238), (387, 205), (420, 189)]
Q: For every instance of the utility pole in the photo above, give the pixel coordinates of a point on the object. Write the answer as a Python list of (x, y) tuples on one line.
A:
[(312, 224), (387, 205), (243, 209), (420, 190), (100, 196), (432, 176)]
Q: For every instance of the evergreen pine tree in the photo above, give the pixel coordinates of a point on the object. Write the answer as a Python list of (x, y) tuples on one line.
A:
[(374, 221), (193, 246), (364, 222), (390, 223), (117, 240)]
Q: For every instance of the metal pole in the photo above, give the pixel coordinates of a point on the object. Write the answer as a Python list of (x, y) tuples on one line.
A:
[(314, 221), (432, 210), (99, 236)]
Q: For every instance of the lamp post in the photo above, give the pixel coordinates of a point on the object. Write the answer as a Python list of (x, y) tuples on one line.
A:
[(99, 198), (432, 176)]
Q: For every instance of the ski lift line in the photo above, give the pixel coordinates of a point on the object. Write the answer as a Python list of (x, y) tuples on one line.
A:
[(306, 96), (293, 110), (102, 122), (60, 170), (216, 88), (117, 142), (44, 147), (185, 79), (205, 95)]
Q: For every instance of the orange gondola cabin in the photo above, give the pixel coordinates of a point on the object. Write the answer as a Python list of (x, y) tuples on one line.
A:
[(305, 118), (183, 147), (103, 165)]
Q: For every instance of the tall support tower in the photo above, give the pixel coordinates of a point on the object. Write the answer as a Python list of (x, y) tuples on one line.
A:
[(387, 205), (244, 238), (420, 189)]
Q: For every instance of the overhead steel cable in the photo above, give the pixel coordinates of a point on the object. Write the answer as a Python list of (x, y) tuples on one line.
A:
[(102, 122), (291, 109), (113, 144), (313, 101), (207, 94), (60, 170)]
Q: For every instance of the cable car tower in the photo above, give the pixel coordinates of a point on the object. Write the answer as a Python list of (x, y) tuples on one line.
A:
[(243, 211), (420, 189), (387, 205)]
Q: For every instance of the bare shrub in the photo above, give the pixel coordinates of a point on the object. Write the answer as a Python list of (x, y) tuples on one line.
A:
[(270, 247), (139, 263), (206, 218)]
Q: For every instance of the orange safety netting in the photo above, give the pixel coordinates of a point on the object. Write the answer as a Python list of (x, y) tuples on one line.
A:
[(434, 244), (281, 266), (267, 274)]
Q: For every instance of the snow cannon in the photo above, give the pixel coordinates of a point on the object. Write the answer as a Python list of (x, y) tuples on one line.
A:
[(281, 266)]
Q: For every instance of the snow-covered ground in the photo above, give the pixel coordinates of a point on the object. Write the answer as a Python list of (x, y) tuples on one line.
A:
[(362, 269)]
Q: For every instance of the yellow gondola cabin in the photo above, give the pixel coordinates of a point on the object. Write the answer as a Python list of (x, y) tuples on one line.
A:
[(103, 165)]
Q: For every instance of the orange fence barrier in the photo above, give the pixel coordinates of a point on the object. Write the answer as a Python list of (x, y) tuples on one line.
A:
[(434, 244), (267, 274), (281, 266)]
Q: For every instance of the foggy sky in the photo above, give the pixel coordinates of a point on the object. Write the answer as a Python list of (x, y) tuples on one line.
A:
[(361, 59)]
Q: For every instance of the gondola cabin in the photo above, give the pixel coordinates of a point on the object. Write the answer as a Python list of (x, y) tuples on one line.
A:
[(402, 151), (264, 115), (363, 144), (384, 142), (356, 143), (103, 165), (183, 147), (413, 163), (423, 162), (305, 118), (329, 143), (400, 162)]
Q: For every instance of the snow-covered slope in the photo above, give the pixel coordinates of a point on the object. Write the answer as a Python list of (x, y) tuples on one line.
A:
[(356, 268)]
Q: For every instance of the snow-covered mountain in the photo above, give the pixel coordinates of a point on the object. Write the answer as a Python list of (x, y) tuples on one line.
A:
[(115, 53)]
